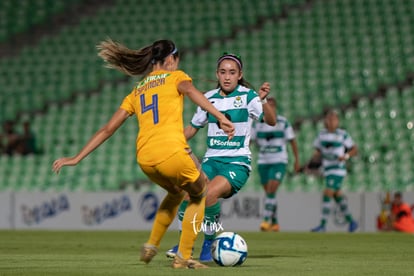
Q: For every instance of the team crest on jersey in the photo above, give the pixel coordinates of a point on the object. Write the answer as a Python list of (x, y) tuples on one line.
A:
[(238, 102)]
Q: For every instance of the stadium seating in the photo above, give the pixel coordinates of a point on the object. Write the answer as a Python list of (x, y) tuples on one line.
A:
[(17, 17), (65, 64), (316, 54)]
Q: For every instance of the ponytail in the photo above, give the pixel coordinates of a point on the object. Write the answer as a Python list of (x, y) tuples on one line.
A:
[(135, 62)]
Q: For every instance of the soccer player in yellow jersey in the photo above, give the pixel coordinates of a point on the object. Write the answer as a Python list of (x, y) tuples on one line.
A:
[(162, 150)]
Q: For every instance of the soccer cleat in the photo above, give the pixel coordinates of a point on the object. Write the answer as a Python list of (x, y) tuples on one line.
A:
[(275, 227), (190, 263), (172, 252), (353, 226), (148, 251), (319, 228), (205, 255), (265, 226)]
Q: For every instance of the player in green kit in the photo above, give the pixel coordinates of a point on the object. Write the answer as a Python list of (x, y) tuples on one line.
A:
[(227, 163), (272, 162), (335, 146)]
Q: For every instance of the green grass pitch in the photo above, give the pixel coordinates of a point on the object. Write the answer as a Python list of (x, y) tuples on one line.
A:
[(116, 253)]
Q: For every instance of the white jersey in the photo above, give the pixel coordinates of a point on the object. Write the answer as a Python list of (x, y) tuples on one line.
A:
[(272, 141), (333, 145), (241, 106)]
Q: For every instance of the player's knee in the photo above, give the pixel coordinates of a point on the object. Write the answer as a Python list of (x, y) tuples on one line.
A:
[(175, 198), (197, 197), (197, 186), (329, 193), (196, 190), (337, 195), (272, 186)]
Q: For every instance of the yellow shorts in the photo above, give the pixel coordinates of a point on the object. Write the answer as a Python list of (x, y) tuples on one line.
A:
[(179, 170)]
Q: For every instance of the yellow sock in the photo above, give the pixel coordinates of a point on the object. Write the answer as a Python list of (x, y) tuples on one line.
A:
[(164, 217), (193, 218)]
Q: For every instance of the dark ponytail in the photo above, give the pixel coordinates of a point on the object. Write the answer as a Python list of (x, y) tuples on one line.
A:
[(135, 62)]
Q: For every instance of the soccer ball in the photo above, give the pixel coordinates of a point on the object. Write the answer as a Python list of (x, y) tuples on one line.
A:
[(229, 249)]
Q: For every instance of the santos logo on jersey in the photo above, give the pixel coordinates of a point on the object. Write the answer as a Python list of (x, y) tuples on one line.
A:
[(238, 102)]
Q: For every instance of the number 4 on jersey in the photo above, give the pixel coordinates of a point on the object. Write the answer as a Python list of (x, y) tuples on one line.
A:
[(153, 107)]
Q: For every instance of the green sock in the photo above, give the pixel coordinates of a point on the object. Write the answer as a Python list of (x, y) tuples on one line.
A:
[(269, 208), (274, 217), (343, 205), (180, 214), (326, 209), (211, 221)]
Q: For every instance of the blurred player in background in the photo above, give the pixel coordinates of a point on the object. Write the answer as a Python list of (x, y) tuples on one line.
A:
[(9, 138), (334, 146), (162, 150), (28, 140), (227, 164), (272, 162)]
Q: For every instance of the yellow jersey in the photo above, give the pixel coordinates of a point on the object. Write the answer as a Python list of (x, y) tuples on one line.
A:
[(159, 109)]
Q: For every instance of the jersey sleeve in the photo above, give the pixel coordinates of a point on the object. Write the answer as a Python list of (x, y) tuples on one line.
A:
[(348, 142), (317, 143), (200, 118), (289, 132), (128, 103), (181, 76), (255, 106)]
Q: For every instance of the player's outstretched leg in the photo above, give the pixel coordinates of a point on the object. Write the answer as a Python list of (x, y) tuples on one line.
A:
[(192, 221), (164, 217), (170, 253)]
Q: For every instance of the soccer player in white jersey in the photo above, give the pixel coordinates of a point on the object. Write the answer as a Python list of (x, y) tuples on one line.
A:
[(272, 162), (335, 146), (227, 163)]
